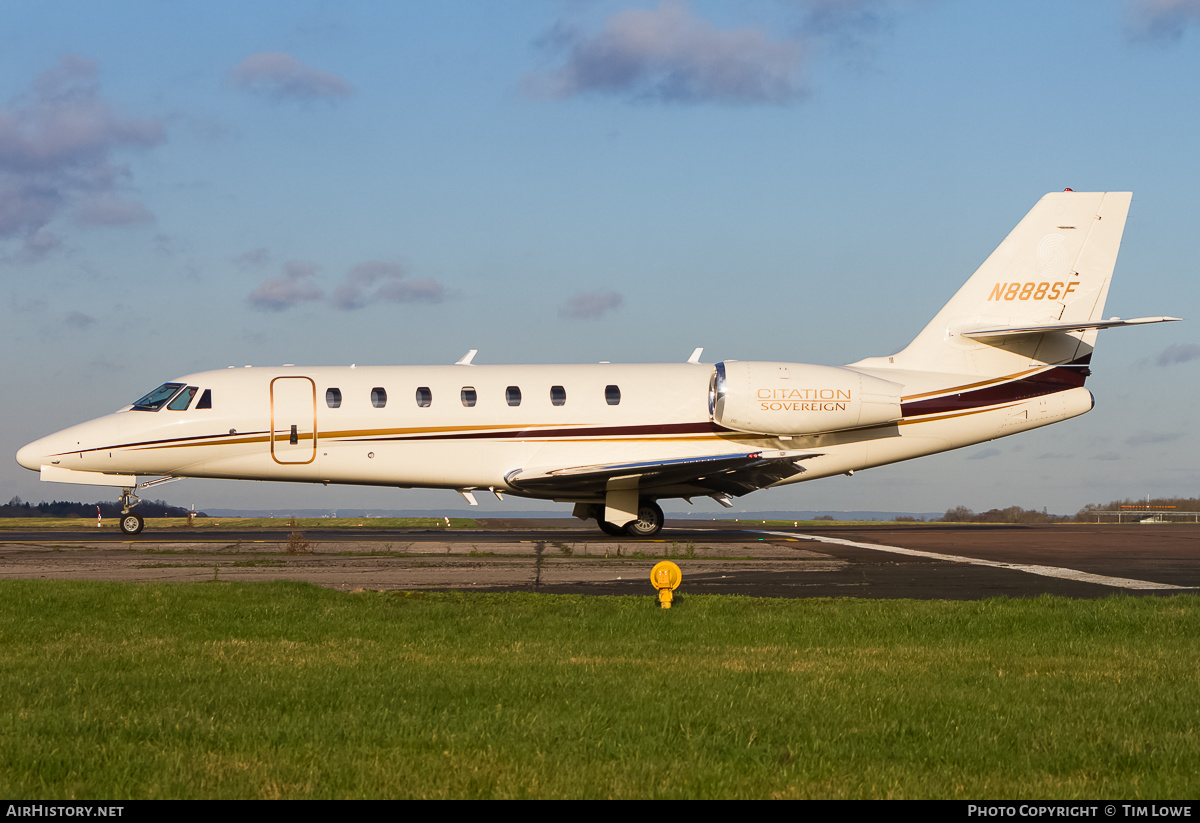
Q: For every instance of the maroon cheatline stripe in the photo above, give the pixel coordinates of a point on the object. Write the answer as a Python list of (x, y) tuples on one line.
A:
[(705, 427), (1051, 381)]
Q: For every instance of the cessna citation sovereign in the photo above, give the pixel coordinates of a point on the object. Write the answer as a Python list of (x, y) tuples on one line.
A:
[(1008, 353)]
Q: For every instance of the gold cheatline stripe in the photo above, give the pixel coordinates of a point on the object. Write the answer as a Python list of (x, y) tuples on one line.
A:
[(198, 441), (930, 418), (739, 436), (970, 386), (206, 440)]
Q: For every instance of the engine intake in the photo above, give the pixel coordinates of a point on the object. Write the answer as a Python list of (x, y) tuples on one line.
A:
[(798, 398)]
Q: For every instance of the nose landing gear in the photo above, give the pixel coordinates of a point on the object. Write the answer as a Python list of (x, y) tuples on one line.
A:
[(131, 523)]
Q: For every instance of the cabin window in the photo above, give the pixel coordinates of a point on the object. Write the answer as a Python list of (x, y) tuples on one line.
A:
[(424, 397), (333, 398), (378, 397), (558, 395), (205, 400), (513, 395), (158, 398), (183, 399), (612, 395), (468, 396)]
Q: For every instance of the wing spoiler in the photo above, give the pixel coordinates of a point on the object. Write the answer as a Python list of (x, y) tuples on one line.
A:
[(735, 474)]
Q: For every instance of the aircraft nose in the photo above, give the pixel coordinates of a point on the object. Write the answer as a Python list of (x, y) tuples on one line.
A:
[(34, 455), (53, 448)]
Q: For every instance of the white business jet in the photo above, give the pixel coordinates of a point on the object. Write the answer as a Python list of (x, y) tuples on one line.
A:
[(1008, 353)]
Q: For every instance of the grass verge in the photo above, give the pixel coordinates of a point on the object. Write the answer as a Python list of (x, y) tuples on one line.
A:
[(286, 690), (242, 523)]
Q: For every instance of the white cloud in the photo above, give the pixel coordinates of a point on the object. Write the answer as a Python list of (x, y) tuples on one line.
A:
[(57, 144), (1161, 19), (255, 258), (1152, 438), (1178, 353), (375, 281), (591, 305), (282, 77), (79, 320), (365, 284), (669, 54), (296, 285), (112, 211)]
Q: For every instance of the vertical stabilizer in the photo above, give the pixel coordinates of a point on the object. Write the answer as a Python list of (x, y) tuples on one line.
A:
[(1055, 267)]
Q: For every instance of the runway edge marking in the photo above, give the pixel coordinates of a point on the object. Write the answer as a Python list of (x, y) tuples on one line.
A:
[(1044, 571)]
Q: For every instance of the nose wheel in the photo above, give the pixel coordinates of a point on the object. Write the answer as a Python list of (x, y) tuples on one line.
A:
[(131, 523)]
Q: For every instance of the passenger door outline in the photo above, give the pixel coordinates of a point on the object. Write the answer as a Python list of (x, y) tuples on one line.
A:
[(293, 420)]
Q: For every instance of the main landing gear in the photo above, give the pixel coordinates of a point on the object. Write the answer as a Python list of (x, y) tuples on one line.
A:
[(649, 521)]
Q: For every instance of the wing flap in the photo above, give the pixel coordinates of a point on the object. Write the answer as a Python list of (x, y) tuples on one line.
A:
[(730, 473)]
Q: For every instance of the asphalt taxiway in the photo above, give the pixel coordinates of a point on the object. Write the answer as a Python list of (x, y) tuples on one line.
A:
[(923, 561)]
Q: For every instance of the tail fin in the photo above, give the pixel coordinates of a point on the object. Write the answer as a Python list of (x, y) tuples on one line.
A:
[(1053, 269)]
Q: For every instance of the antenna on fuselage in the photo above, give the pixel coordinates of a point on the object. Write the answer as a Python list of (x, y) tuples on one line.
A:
[(466, 359)]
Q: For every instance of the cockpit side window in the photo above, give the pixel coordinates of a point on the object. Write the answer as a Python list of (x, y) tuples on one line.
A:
[(205, 400), (158, 398), (183, 399)]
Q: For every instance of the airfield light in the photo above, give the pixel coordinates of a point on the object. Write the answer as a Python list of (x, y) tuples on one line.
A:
[(666, 577)]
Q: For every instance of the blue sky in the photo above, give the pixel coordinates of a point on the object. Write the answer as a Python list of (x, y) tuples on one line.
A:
[(189, 185)]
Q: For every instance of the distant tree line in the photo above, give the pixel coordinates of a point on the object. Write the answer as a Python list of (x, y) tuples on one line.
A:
[(62, 508), (1013, 514), (1016, 514)]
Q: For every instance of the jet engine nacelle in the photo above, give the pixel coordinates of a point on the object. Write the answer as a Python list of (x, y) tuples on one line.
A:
[(798, 398)]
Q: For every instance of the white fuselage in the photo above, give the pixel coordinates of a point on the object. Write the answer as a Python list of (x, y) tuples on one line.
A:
[(416, 426)]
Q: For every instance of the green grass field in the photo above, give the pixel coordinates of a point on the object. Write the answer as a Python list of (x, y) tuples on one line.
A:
[(235, 523), (283, 690), (333, 523)]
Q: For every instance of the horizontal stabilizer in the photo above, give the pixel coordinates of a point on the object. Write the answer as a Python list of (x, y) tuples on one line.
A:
[(1013, 331)]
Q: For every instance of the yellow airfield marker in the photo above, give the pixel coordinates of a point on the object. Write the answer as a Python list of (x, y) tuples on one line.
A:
[(666, 577)]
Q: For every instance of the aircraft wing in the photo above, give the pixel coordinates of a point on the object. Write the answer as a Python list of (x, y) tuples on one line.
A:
[(1012, 331), (735, 474)]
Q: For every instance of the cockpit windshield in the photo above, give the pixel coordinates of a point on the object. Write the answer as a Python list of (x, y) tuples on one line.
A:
[(183, 399), (158, 398)]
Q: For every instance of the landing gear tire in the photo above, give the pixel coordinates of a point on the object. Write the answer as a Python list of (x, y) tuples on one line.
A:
[(131, 523), (649, 520), (609, 528)]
